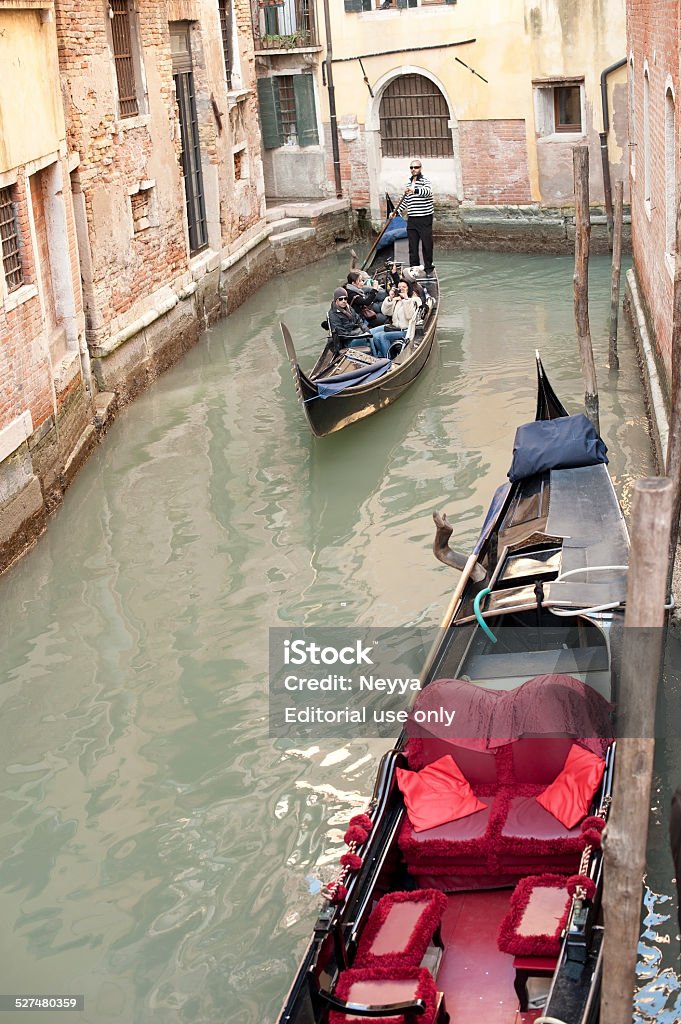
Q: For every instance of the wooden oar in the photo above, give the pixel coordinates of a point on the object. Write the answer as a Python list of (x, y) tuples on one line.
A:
[(374, 247)]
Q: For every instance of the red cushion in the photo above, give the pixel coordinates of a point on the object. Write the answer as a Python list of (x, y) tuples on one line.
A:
[(538, 913), (436, 794), (400, 928), (375, 986), (569, 796)]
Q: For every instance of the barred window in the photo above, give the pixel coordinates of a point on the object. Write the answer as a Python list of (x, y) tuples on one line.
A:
[(11, 240), (225, 8), (415, 119), (122, 36), (287, 105)]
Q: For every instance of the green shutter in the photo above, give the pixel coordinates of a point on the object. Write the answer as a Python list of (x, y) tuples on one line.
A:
[(353, 5), (270, 118), (306, 116)]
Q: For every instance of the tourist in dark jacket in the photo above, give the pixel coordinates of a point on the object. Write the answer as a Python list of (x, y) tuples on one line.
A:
[(350, 328)]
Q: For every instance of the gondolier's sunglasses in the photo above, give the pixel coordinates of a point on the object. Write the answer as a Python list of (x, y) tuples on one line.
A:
[(414, 167)]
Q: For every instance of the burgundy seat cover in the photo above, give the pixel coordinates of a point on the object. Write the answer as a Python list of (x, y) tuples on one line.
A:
[(472, 827), (528, 820), (539, 759)]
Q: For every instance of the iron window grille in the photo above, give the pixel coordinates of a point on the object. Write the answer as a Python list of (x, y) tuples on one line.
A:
[(11, 240), (287, 106), (123, 58), (225, 8), (414, 118)]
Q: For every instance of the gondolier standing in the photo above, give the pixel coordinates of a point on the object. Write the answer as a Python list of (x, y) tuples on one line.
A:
[(417, 203)]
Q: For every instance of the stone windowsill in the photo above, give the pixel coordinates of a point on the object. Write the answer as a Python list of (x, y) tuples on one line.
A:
[(235, 96), (124, 124), (270, 50), (569, 137), (21, 295)]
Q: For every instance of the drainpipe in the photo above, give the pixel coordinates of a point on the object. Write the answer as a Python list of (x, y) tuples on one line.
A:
[(607, 188), (332, 101)]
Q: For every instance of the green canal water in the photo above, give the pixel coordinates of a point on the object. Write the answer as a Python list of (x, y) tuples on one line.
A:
[(159, 853)]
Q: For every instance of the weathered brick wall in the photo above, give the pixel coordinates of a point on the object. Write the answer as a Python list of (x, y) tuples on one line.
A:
[(494, 162), (25, 375), (116, 154), (654, 35)]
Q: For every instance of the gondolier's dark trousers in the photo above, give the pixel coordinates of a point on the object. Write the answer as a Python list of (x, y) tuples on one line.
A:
[(420, 229)]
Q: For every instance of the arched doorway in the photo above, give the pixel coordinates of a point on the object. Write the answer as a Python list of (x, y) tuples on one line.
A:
[(414, 118), (410, 114)]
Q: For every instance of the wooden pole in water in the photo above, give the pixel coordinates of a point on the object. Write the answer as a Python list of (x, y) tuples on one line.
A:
[(674, 448), (581, 281), (627, 831), (613, 359)]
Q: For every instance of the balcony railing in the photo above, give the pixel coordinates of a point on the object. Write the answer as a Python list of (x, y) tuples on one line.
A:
[(283, 24)]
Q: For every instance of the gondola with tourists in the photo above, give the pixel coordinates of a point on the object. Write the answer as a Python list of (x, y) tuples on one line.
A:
[(350, 381), (471, 887)]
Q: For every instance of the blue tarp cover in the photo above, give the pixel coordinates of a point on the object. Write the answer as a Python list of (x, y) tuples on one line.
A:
[(396, 229), (331, 387), (555, 444)]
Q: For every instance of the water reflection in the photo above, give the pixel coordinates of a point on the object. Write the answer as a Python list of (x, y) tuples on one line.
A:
[(158, 851)]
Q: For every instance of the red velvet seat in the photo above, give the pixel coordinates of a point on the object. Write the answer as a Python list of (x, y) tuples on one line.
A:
[(526, 819), (532, 929), (400, 929), (376, 986)]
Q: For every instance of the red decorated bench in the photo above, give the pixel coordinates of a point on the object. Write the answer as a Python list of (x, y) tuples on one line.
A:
[(512, 834)]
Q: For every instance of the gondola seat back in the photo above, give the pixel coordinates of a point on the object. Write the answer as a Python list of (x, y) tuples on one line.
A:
[(512, 835)]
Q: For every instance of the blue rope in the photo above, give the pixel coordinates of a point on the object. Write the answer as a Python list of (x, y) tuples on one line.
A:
[(478, 614)]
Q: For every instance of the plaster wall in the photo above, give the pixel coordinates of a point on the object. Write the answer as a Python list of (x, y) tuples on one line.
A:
[(510, 44), (32, 121)]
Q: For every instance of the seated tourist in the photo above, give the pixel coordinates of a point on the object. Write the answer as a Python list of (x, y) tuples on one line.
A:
[(350, 328), (401, 306), (366, 297)]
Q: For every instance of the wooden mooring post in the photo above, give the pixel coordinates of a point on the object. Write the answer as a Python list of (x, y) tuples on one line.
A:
[(627, 831), (581, 281), (613, 358)]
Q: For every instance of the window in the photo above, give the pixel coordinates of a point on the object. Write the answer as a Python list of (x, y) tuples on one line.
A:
[(11, 240), (646, 139), (414, 118), (183, 77), (122, 39), (226, 29), (240, 157), (670, 173), (285, 24), (632, 119), (558, 106), (142, 207), (288, 111), (386, 5), (567, 113)]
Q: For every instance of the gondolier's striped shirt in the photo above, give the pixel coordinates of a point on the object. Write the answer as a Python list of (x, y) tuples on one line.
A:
[(421, 203)]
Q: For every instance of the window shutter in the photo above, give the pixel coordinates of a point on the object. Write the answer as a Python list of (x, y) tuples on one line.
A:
[(402, 3), (351, 6), (270, 119), (306, 117)]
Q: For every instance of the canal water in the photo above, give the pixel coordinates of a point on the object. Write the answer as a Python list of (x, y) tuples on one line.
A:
[(159, 853)]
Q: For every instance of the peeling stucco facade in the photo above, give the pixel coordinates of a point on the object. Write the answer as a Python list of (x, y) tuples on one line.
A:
[(496, 67)]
